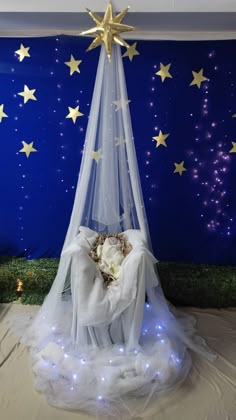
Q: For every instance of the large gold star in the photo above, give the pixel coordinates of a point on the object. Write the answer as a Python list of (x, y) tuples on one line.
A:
[(198, 78), (23, 52), (160, 139), (73, 64), (107, 30), (97, 155), (131, 51), (28, 148), (233, 150), (179, 168), (74, 113), (2, 113), (164, 71), (28, 94)]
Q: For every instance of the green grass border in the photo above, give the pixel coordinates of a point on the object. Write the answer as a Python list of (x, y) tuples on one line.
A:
[(184, 284)]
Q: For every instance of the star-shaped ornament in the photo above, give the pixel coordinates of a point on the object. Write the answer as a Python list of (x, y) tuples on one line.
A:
[(28, 94), (131, 51), (161, 139), (179, 168), (107, 30), (28, 148), (2, 113), (23, 52), (198, 78), (97, 155), (121, 103), (120, 141), (233, 150), (164, 72), (74, 113), (73, 64)]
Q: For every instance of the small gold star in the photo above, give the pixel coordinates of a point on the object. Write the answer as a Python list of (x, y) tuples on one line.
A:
[(74, 113), (73, 64), (23, 52), (28, 94), (120, 141), (164, 71), (131, 51), (122, 103), (97, 155), (160, 139), (179, 168), (28, 148), (198, 78), (233, 150), (2, 113)]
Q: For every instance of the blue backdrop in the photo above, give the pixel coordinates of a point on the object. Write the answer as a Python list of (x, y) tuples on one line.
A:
[(191, 216)]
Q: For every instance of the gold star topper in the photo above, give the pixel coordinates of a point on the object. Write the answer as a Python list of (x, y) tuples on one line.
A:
[(107, 30)]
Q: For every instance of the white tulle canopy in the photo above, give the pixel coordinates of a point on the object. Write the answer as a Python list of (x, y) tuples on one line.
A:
[(109, 350)]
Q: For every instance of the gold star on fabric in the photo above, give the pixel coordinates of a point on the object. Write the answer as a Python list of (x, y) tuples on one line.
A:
[(121, 103), (28, 94), (97, 155), (107, 30), (164, 72), (160, 139), (198, 78), (28, 148), (73, 64), (131, 51), (2, 113), (74, 113), (233, 150), (120, 141), (23, 52), (179, 168)]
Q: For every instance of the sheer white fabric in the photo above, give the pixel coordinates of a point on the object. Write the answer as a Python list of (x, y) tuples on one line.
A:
[(109, 351)]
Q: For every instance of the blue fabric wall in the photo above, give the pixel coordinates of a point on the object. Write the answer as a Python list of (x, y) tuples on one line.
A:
[(191, 217)]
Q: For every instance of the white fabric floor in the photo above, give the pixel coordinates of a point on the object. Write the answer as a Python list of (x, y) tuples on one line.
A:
[(209, 392)]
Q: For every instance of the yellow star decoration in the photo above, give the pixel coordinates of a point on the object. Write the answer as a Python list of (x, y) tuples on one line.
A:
[(73, 64), (179, 168), (23, 52), (2, 113), (97, 155), (198, 78), (131, 51), (233, 150), (121, 103), (28, 94), (107, 30), (74, 113), (120, 141), (164, 72), (28, 148), (160, 139)]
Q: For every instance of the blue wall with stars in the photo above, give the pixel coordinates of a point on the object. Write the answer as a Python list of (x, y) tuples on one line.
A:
[(192, 217)]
